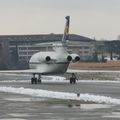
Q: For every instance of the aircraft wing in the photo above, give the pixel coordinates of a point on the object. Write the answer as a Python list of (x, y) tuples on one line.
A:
[(92, 71)]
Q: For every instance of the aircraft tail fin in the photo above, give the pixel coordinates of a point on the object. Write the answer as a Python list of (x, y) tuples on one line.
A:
[(66, 30)]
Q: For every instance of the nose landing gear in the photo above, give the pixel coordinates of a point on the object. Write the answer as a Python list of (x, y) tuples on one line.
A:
[(35, 80), (73, 79)]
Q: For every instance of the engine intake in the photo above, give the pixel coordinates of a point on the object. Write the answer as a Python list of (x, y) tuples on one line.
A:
[(48, 58), (77, 58), (69, 58)]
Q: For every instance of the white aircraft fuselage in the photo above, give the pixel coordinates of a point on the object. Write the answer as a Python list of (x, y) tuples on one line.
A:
[(51, 62)]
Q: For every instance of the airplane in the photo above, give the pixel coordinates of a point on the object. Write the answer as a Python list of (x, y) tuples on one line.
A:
[(51, 62), (55, 62)]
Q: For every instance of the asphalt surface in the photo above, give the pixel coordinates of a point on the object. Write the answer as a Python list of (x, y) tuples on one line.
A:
[(23, 107)]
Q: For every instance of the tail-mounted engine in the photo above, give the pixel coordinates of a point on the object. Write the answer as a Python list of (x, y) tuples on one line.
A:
[(74, 57), (48, 58), (69, 58)]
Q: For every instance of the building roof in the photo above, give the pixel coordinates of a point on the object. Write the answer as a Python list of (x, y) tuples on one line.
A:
[(41, 38)]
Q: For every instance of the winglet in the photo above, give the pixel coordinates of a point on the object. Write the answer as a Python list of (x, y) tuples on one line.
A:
[(66, 31)]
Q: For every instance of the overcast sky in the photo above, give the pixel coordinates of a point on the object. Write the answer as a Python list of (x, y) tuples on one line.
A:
[(91, 18)]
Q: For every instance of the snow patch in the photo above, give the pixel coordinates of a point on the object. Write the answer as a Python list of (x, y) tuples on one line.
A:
[(113, 115), (14, 81), (99, 81), (93, 106), (99, 99), (44, 79), (61, 95)]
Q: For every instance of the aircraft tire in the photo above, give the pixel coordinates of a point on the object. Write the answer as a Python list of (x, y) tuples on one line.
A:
[(74, 81), (71, 80), (39, 81), (32, 80), (35, 80)]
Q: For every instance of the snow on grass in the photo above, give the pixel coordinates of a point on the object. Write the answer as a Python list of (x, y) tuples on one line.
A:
[(61, 95), (62, 81), (38, 93), (44, 79)]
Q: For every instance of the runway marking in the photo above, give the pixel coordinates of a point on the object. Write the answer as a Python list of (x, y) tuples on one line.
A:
[(61, 95)]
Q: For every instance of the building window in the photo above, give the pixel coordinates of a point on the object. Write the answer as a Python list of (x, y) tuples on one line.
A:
[(22, 48), (22, 53), (86, 47)]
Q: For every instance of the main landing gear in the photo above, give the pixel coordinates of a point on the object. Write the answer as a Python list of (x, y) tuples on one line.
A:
[(73, 79), (35, 80)]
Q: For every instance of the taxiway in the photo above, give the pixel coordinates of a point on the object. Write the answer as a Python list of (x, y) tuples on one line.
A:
[(14, 106)]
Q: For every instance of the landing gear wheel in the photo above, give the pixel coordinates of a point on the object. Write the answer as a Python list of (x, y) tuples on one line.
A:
[(72, 80), (33, 80), (39, 81)]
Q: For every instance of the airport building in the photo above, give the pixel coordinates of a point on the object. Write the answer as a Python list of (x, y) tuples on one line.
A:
[(4, 54), (20, 48)]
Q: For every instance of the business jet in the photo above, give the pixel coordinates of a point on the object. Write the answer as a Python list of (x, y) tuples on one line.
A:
[(51, 62)]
